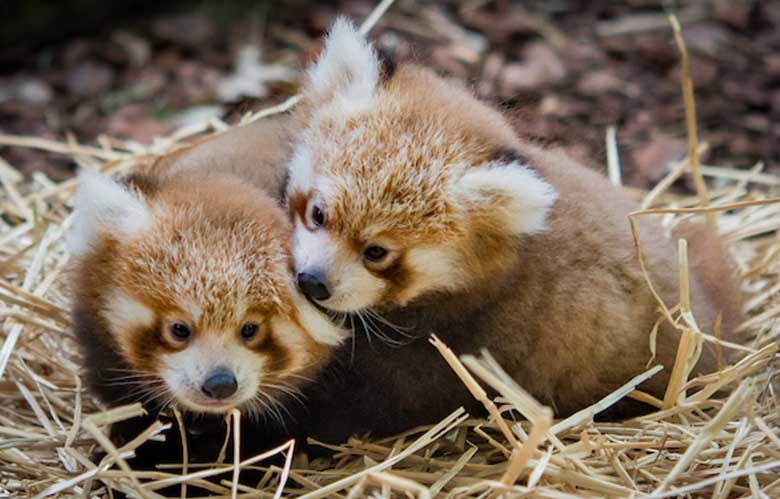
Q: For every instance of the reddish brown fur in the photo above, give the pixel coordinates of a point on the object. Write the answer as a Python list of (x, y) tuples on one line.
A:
[(212, 219), (566, 311)]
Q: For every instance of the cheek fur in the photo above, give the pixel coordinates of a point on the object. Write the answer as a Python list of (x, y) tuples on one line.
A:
[(353, 287), (143, 347), (396, 278), (425, 270), (277, 357)]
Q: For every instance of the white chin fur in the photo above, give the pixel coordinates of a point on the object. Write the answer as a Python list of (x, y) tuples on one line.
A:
[(184, 373)]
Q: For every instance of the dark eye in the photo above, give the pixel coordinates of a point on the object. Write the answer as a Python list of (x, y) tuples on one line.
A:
[(180, 331), (249, 330), (317, 216), (375, 253)]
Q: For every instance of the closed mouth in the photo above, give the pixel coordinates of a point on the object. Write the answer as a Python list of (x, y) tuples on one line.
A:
[(211, 405), (332, 314)]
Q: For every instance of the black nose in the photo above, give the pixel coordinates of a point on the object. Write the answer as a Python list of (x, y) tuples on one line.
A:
[(220, 384), (312, 286)]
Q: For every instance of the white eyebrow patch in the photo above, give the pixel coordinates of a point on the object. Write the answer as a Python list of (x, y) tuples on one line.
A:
[(123, 312)]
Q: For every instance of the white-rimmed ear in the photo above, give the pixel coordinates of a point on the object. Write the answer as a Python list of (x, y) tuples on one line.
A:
[(316, 323), (347, 69), (510, 194), (103, 205)]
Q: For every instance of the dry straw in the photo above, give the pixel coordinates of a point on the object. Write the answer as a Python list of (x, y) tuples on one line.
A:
[(715, 436)]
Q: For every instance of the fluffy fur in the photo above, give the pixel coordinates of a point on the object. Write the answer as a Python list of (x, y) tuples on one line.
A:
[(491, 242), (194, 239)]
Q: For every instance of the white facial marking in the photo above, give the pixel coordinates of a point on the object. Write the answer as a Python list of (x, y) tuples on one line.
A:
[(312, 249), (521, 197), (185, 372), (352, 287), (434, 269), (104, 205), (125, 313)]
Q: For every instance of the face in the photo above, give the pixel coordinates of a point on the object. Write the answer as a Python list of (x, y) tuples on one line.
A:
[(349, 268), (209, 360), (204, 311), (196, 290), (397, 188), (340, 273)]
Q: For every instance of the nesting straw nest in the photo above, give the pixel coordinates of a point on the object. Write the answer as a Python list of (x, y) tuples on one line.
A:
[(714, 436)]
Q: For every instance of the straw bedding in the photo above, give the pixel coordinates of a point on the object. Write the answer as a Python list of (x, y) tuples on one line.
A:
[(716, 436)]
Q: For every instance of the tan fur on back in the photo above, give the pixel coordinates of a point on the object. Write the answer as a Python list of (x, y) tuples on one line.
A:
[(570, 312), (255, 152)]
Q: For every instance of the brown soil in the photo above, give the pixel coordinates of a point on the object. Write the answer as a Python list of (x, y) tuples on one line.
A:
[(565, 69)]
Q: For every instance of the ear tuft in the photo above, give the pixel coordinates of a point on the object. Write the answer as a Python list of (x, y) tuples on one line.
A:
[(348, 66), (103, 205), (509, 194)]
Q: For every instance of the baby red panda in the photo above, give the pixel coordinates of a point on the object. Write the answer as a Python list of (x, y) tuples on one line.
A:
[(182, 285), (417, 208)]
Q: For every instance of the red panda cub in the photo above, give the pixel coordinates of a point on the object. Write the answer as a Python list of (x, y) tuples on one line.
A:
[(416, 207), (182, 286)]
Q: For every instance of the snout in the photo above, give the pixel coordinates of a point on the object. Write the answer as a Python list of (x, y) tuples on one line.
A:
[(220, 384), (313, 285)]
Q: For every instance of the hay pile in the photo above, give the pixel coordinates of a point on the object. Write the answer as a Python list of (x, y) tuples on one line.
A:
[(720, 437), (716, 436)]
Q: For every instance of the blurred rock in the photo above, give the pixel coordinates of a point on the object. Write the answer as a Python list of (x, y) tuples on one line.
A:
[(136, 48), (134, 122), (540, 66), (195, 82), (27, 90), (705, 38), (251, 75), (500, 26), (197, 115), (444, 60), (191, 29), (490, 72), (89, 79), (321, 17), (652, 159), (772, 65), (704, 72), (775, 102), (599, 82), (746, 90), (734, 12)]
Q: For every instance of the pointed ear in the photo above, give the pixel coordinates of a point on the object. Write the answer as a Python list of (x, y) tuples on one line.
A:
[(508, 194), (103, 205), (348, 68)]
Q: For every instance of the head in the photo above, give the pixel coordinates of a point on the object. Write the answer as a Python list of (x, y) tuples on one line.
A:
[(402, 184), (191, 284)]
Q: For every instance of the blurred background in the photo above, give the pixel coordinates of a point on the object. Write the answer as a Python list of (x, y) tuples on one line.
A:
[(565, 69)]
